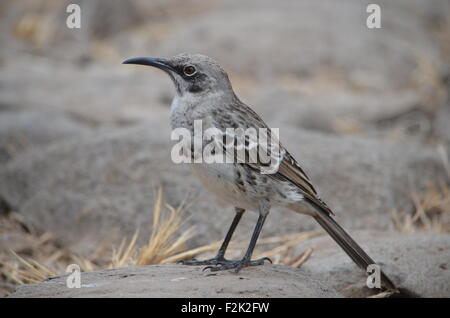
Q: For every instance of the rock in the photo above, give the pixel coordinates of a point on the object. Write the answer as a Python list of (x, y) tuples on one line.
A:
[(442, 129), (417, 263), (86, 190), (96, 95), (333, 79), (338, 75), (23, 129), (331, 111), (297, 40), (184, 281)]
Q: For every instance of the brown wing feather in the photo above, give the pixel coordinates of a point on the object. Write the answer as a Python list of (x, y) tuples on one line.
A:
[(289, 169)]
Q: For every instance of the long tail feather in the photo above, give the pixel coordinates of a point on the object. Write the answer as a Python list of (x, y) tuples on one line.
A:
[(352, 249)]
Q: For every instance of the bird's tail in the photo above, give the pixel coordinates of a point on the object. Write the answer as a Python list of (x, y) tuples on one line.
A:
[(350, 247)]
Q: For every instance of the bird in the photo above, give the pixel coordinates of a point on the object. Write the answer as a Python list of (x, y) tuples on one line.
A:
[(204, 93)]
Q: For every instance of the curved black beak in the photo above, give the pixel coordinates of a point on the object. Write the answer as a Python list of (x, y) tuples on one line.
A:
[(160, 63)]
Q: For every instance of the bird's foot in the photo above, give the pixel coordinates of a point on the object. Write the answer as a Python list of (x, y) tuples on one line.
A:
[(237, 265), (218, 260)]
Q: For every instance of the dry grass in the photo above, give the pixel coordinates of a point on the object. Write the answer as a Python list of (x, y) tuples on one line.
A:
[(43, 257), (431, 212), (33, 271), (164, 241)]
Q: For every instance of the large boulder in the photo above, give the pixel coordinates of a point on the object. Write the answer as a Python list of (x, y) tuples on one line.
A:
[(22, 129), (317, 60), (184, 281), (417, 263), (301, 37)]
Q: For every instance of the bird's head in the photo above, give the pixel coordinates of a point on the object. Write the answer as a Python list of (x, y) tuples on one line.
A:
[(191, 73)]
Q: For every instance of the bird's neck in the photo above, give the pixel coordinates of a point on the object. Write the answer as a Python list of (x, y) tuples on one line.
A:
[(195, 101), (191, 106)]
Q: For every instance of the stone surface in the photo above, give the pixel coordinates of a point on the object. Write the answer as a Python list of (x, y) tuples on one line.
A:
[(418, 263), (442, 126), (23, 129), (185, 282), (338, 68), (381, 58)]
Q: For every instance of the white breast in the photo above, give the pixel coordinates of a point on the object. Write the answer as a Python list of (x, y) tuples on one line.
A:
[(220, 180)]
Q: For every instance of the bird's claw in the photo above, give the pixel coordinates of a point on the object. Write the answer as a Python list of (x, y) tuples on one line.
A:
[(212, 261), (237, 265)]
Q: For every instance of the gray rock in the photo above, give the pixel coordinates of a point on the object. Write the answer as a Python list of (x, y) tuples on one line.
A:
[(184, 281), (419, 263), (23, 129), (318, 62), (362, 74), (95, 95), (331, 111), (442, 128), (301, 37)]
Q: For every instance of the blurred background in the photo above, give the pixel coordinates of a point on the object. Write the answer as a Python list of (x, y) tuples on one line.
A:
[(84, 140)]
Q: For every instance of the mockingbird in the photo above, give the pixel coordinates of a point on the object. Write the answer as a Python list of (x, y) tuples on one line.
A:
[(204, 92)]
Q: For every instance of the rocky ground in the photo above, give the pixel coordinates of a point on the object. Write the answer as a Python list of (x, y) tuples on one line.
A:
[(417, 263), (176, 280), (84, 140)]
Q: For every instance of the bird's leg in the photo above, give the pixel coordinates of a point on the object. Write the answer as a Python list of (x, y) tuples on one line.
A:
[(220, 257), (246, 260)]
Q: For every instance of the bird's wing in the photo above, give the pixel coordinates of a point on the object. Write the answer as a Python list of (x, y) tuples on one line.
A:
[(288, 170), (291, 170)]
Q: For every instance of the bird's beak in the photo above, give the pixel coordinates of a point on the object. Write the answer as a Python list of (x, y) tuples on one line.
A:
[(151, 61)]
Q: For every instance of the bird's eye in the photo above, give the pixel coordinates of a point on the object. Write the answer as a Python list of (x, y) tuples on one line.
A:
[(189, 70)]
